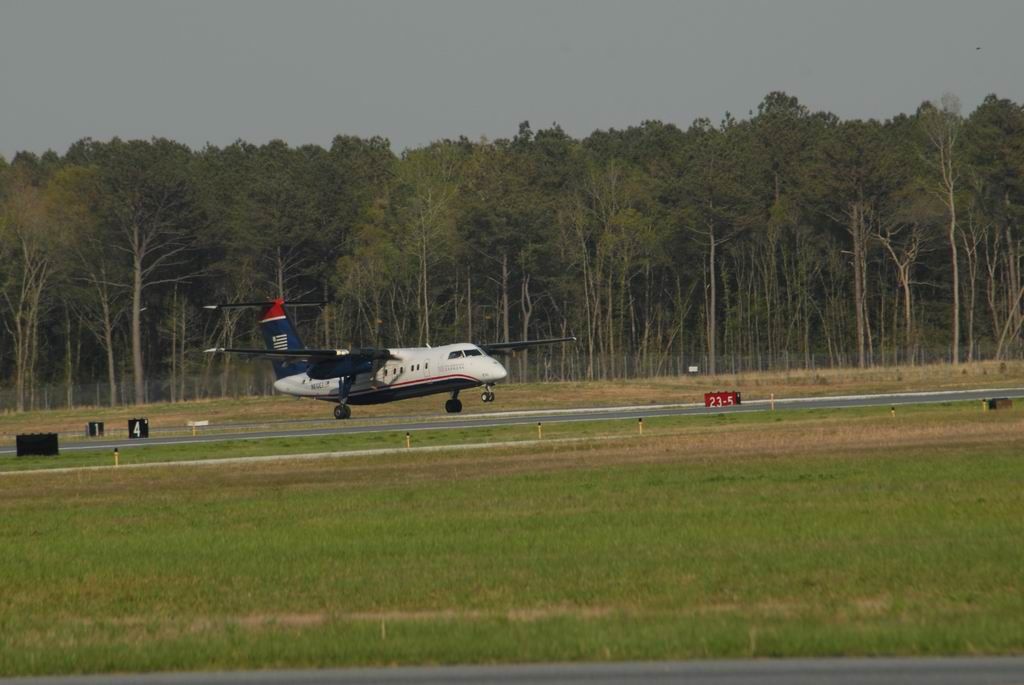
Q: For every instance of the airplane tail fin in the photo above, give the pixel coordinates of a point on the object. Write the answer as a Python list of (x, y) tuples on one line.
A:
[(279, 334), (278, 331)]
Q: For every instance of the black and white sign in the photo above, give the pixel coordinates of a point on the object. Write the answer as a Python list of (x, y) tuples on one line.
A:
[(138, 428)]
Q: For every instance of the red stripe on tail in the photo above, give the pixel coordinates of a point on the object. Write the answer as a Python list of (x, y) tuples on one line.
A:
[(275, 311)]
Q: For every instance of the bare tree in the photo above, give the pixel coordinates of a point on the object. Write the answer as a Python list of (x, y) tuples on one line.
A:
[(978, 227), (102, 310), (903, 243), (942, 124), (577, 237), (1008, 329), (26, 241), (859, 215)]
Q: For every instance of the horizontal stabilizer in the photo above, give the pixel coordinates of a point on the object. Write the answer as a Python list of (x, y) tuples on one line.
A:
[(312, 356), (508, 347), (265, 305)]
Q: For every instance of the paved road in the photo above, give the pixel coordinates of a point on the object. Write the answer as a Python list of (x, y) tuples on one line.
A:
[(554, 416), (941, 671)]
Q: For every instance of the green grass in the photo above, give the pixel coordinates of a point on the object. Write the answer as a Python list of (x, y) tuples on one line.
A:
[(642, 549)]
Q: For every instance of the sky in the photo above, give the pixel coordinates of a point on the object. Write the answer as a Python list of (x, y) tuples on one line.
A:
[(214, 71)]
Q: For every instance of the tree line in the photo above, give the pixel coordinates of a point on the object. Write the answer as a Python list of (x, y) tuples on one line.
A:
[(786, 238)]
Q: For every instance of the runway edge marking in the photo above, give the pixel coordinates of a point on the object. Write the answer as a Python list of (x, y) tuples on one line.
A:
[(311, 456)]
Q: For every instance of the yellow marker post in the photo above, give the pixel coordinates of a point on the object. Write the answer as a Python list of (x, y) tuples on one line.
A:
[(892, 410), (408, 440), (117, 457), (540, 431), (640, 425), (773, 401)]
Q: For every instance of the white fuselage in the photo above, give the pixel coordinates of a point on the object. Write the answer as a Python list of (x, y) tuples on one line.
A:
[(414, 372)]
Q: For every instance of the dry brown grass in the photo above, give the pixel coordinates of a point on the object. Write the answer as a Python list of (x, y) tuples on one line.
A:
[(833, 436)]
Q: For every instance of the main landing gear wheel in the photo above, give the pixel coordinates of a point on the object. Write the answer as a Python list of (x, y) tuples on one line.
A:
[(487, 396), (342, 411), (453, 406)]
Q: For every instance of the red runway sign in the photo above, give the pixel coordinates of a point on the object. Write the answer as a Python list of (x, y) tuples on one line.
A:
[(721, 399)]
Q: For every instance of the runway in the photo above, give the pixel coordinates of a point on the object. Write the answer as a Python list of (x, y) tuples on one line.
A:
[(832, 671), (493, 419)]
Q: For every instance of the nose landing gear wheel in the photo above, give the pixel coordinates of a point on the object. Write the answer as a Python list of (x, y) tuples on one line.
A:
[(453, 406), (342, 411), (487, 396)]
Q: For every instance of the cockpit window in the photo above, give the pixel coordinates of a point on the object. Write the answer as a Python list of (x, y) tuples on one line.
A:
[(473, 353), (455, 355)]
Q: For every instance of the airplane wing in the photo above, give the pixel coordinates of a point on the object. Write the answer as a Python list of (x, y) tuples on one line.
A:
[(509, 347), (257, 305), (313, 356)]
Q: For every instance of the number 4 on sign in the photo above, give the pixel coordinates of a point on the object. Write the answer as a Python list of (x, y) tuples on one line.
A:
[(138, 428)]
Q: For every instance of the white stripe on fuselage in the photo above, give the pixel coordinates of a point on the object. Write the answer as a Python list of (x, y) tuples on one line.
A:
[(414, 367)]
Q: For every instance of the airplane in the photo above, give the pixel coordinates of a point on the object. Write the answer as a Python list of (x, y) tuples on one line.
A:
[(369, 375)]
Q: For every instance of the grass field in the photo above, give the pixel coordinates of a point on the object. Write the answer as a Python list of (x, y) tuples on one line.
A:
[(811, 533), (260, 410)]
